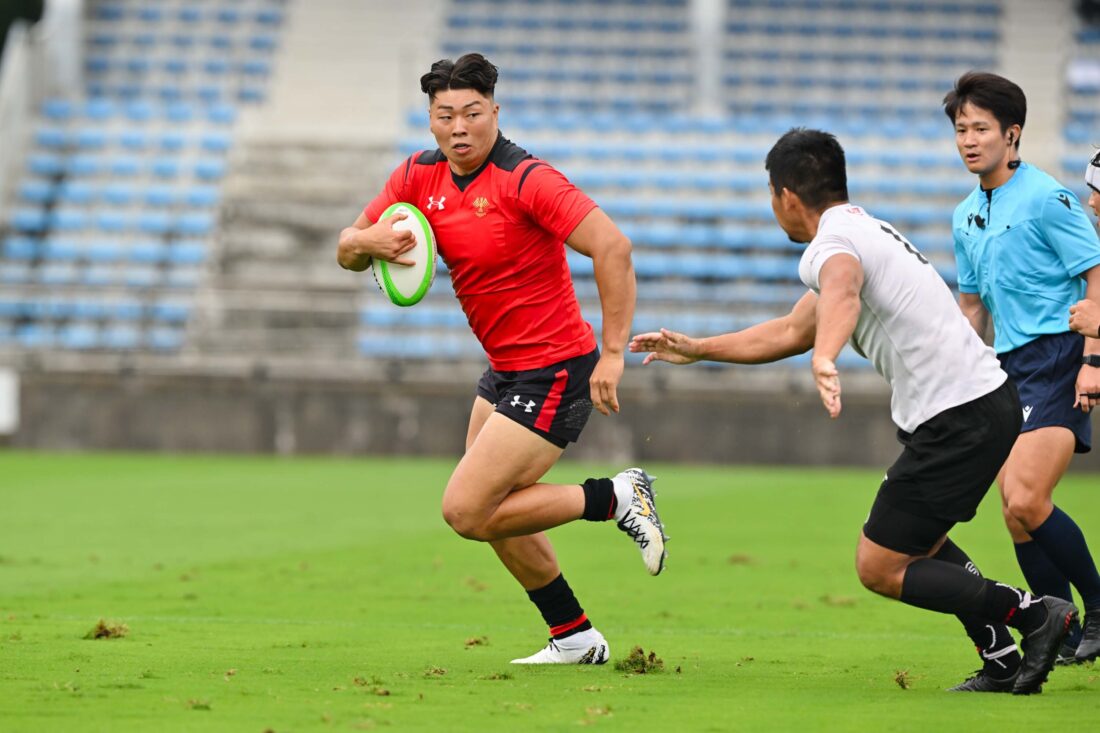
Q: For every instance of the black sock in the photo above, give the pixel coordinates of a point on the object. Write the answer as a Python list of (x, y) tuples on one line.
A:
[(560, 608), (1064, 543), (599, 499), (994, 642), (1045, 579), (940, 586)]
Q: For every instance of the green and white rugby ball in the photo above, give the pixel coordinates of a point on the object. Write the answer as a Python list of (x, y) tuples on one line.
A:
[(402, 284)]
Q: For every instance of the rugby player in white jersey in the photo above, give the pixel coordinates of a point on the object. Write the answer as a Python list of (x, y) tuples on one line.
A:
[(1084, 316), (957, 413)]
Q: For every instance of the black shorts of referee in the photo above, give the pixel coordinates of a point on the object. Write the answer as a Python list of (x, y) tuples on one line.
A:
[(945, 469)]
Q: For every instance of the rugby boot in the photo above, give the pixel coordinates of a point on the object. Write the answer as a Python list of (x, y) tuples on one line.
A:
[(1066, 655), (587, 647), (639, 517), (1089, 648), (1041, 646), (981, 681)]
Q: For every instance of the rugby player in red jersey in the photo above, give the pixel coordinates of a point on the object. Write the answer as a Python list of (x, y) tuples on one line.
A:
[(500, 217)]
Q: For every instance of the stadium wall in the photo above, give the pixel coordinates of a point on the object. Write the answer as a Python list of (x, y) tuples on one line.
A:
[(398, 409)]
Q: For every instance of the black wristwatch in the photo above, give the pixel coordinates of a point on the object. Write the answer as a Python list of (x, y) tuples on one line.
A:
[(1092, 360)]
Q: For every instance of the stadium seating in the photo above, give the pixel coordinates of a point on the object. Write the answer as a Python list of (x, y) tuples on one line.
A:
[(606, 92), (119, 203)]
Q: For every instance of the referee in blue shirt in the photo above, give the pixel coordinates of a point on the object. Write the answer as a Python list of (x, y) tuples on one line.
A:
[(1026, 253)]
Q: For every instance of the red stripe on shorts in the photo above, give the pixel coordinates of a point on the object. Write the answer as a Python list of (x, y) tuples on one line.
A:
[(553, 401)]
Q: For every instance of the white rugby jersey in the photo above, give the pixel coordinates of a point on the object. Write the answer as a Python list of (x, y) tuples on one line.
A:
[(910, 326)]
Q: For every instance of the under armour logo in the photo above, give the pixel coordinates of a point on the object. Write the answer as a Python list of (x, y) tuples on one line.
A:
[(1064, 199), (437, 204), (517, 401), (1027, 412)]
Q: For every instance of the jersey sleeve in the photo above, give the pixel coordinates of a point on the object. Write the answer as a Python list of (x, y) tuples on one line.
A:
[(1069, 232), (396, 189), (551, 200), (965, 276), (822, 249)]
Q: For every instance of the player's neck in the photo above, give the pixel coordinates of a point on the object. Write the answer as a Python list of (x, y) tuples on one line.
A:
[(997, 178)]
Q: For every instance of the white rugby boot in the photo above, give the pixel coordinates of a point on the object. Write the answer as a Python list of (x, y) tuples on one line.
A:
[(587, 647), (637, 516)]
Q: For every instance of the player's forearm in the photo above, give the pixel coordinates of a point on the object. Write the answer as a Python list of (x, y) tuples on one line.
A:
[(837, 315), (760, 344), (614, 273), (351, 253), (975, 311), (1092, 293)]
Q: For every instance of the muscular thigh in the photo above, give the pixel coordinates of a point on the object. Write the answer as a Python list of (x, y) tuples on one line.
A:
[(480, 412), (502, 456), (1037, 461)]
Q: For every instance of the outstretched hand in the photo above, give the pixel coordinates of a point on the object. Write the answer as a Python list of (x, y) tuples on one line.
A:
[(827, 379), (670, 346)]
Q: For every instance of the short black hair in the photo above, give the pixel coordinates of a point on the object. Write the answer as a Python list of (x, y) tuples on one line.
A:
[(471, 71), (811, 164), (1004, 98)]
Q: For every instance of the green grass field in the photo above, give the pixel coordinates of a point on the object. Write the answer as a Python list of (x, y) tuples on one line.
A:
[(313, 594)]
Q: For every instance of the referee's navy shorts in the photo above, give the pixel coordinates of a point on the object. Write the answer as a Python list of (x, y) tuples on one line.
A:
[(945, 470), (554, 402), (1045, 373)]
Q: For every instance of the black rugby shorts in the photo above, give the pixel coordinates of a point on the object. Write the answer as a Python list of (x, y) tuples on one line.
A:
[(945, 469), (553, 402)]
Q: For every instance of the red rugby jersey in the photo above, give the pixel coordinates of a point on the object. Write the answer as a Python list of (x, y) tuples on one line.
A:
[(501, 231)]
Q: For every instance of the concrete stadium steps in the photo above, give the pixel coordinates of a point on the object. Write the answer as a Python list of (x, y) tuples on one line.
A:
[(276, 322)]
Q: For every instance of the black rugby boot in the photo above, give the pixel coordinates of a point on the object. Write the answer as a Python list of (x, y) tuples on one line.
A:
[(981, 681), (1089, 648), (1041, 646)]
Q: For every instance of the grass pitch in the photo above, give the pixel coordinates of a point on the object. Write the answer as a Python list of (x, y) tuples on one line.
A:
[(257, 594)]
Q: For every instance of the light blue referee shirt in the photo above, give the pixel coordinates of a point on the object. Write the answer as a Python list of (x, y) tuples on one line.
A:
[(1022, 247)]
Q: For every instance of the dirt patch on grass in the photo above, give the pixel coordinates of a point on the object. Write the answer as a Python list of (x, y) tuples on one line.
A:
[(105, 630), (901, 677), (477, 641), (637, 662)]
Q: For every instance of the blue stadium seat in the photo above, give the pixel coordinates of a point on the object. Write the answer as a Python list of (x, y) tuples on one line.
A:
[(134, 139), (58, 110), (161, 196), (78, 336), (120, 338), (210, 169), (45, 164), (36, 191), (103, 251), (165, 339), (21, 248), (60, 249), (29, 220), (155, 222), (119, 194), (187, 253), (111, 221), (51, 137), (166, 168), (203, 196), (68, 220)]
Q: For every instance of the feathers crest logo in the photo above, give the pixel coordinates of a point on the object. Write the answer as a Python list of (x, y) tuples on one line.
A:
[(481, 205)]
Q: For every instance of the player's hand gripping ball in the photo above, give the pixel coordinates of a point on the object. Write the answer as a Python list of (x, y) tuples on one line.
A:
[(402, 284)]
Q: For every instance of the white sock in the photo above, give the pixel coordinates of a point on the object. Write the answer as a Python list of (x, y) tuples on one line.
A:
[(624, 493)]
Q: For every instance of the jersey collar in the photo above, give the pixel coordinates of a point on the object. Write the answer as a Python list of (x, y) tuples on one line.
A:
[(463, 181)]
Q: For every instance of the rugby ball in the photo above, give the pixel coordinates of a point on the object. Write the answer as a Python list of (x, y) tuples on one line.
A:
[(402, 284)]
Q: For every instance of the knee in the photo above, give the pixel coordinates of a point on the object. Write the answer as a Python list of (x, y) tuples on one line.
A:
[(877, 579), (464, 522), (1026, 510), (871, 578)]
